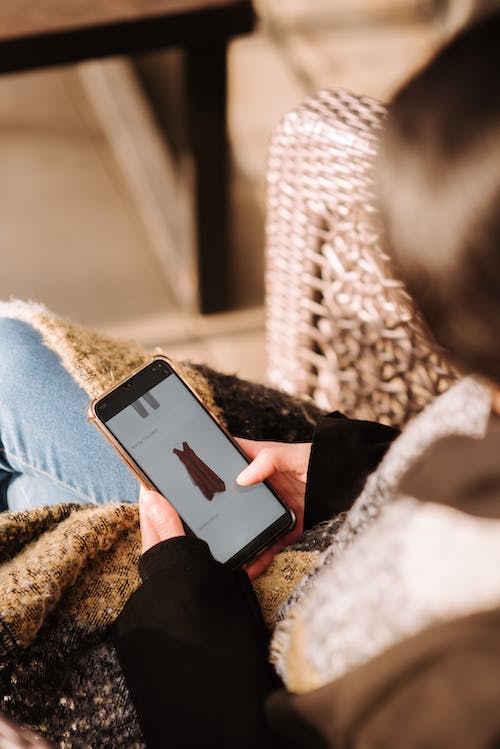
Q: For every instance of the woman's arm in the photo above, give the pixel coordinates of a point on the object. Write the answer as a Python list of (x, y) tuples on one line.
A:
[(191, 640), (344, 453), (192, 643)]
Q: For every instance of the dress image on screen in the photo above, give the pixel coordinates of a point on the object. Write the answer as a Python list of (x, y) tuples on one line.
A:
[(205, 479)]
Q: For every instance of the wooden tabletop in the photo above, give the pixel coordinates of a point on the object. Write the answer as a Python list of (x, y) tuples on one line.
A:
[(19, 18), (34, 33)]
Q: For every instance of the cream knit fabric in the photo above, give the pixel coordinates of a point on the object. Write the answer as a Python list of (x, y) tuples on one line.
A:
[(396, 565)]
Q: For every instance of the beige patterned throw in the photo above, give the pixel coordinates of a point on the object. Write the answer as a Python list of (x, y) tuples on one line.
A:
[(81, 559), (67, 570), (78, 560), (97, 362)]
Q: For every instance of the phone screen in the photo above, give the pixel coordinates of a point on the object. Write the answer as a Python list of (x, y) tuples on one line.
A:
[(190, 460)]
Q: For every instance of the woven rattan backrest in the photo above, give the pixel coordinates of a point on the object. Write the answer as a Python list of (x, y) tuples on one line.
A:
[(340, 328)]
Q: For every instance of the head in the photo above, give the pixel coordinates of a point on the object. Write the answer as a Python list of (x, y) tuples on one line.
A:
[(439, 185)]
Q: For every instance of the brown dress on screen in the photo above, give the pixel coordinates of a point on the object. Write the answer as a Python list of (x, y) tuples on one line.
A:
[(205, 479)]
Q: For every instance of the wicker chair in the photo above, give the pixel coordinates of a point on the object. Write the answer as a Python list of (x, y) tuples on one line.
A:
[(340, 329)]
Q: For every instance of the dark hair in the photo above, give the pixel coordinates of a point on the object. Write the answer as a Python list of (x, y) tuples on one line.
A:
[(439, 185)]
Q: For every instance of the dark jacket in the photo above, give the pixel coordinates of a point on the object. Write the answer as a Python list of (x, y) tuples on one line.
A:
[(194, 649)]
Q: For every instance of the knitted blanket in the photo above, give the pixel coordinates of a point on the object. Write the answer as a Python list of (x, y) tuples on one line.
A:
[(67, 570)]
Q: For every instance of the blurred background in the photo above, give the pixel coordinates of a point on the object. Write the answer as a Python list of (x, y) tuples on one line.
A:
[(81, 229)]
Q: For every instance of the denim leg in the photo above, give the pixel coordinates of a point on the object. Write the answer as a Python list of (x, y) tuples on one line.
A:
[(49, 453)]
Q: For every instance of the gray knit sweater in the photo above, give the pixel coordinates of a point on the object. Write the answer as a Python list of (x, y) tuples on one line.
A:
[(396, 564)]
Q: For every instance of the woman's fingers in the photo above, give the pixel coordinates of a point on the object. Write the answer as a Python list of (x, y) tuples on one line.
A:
[(261, 467), (159, 520), (274, 457)]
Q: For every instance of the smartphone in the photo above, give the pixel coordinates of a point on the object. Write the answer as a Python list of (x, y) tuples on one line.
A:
[(173, 444)]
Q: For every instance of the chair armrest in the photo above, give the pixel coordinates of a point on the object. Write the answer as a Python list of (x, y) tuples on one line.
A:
[(340, 327)]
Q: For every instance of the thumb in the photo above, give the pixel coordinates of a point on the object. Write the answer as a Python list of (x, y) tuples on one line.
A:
[(267, 462), (159, 520)]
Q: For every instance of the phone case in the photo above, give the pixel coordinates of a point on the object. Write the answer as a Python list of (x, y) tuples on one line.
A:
[(136, 470)]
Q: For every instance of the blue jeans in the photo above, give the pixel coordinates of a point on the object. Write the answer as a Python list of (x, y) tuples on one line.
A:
[(49, 453)]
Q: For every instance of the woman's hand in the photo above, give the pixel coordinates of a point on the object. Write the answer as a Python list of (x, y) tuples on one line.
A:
[(285, 466), (159, 520)]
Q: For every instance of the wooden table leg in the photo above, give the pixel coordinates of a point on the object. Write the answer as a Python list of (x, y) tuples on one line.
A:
[(206, 92)]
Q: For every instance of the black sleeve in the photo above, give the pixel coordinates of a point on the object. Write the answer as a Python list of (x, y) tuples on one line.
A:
[(344, 452), (193, 648)]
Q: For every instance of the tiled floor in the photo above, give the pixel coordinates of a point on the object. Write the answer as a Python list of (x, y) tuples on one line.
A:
[(70, 233)]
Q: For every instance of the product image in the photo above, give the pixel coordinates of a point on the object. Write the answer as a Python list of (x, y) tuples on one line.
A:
[(205, 479)]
